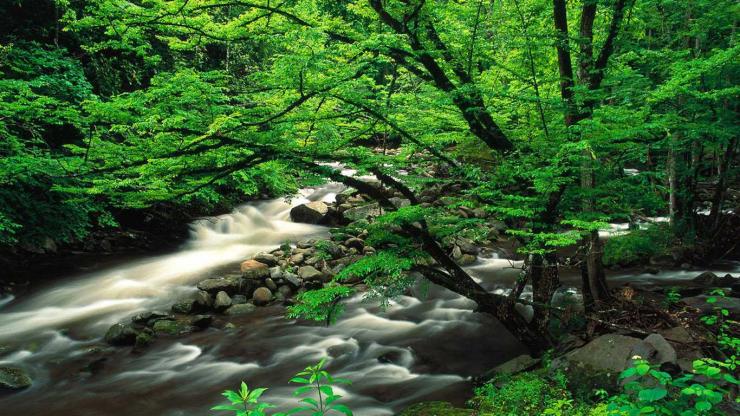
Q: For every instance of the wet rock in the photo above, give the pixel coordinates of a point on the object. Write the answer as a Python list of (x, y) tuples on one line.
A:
[(329, 247), (262, 296), (677, 334), (727, 281), (304, 245), (293, 280), (202, 321), (230, 326), (121, 334), (368, 250), (238, 299), (184, 306), (270, 284), (143, 339), (310, 213), (355, 243), (466, 259), (145, 317), (467, 246), (253, 269), (286, 291), (345, 195), (266, 258), (171, 327), (276, 273), (456, 252), (203, 300), (309, 273), (222, 302), (12, 378), (226, 284), (705, 279), (241, 309), (296, 258)]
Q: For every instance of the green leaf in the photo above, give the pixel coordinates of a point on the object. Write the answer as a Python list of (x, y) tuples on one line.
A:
[(651, 395)]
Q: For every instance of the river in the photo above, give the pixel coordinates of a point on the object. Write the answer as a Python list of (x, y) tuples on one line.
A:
[(423, 346)]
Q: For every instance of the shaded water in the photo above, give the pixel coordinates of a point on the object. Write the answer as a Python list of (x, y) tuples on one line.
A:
[(424, 346)]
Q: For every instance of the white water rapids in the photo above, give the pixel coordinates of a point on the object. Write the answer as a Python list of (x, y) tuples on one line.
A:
[(417, 348)]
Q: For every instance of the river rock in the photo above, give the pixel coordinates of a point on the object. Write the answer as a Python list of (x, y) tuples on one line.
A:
[(238, 299), (226, 284), (143, 339), (310, 213), (241, 309), (14, 379), (355, 243), (466, 259), (222, 302), (270, 284), (467, 246), (296, 258), (262, 296), (201, 321), (171, 327), (121, 334), (309, 273), (292, 279), (286, 291), (145, 317), (276, 273), (304, 245), (266, 258), (203, 300), (253, 269), (184, 306), (727, 280), (345, 195)]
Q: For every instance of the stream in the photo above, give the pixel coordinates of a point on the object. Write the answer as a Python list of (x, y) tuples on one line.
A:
[(425, 346)]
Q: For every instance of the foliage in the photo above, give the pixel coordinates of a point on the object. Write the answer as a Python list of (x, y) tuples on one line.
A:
[(637, 245), (317, 382)]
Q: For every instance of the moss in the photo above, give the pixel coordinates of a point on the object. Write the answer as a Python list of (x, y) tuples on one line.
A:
[(436, 409)]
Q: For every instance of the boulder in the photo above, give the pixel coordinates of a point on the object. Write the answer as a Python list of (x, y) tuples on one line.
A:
[(203, 300), (655, 349), (253, 269), (14, 379), (467, 246), (241, 309), (270, 284), (296, 258), (286, 291), (310, 213), (609, 353), (362, 212), (226, 284), (238, 299), (222, 302), (262, 296), (727, 281), (121, 334), (399, 202), (184, 306), (143, 339), (513, 366), (309, 273), (266, 258)]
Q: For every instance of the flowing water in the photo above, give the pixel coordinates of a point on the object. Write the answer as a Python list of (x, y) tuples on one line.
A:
[(423, 346)]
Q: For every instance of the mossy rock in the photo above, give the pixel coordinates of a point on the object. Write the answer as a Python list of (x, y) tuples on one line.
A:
[(436, 409), (14, 379)]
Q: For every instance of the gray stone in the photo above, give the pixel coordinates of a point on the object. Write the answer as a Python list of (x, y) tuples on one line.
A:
[(609, 353), (266, 258), (293, 280), (399, 202), (253, 269), (276, 273), (184, 306), (14, 379), (467, 246), (456, 252), (227, 284), (362, 212), (270, 284), (262, 296), (286, 291), (296, 258), (203, 300), (513, 366), (655, 349), (309, 273), (121, 334), (310, 213), (223, 301), (705, 279), (241, 309), (355, 243), (145, 317)]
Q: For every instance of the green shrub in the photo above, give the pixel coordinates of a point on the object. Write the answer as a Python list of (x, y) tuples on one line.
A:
[(637, 245)]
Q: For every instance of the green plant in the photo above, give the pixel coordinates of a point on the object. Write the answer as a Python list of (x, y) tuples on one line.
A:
[(650, 391), (671, 297), (316, 381), (637, 245), (720, 324)]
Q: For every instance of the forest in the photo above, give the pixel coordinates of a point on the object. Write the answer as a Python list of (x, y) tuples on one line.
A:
[(432, 207)]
